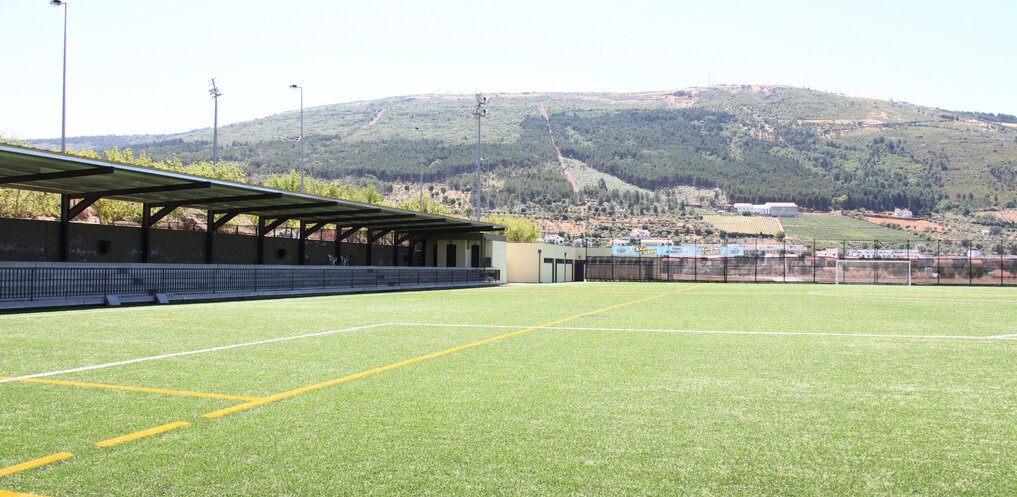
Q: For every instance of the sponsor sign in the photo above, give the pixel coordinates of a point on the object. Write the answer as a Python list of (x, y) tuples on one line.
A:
[(686, 250)]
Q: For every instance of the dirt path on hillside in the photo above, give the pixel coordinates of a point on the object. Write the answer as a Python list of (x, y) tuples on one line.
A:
[(554, 143), (377, 117)]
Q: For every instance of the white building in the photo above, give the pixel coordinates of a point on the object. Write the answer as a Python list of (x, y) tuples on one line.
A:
[(904, 213), (554, 239), (639, 234), (774, 209)]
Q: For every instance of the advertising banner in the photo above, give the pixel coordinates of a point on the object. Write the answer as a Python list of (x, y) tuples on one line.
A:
[(685, 250)]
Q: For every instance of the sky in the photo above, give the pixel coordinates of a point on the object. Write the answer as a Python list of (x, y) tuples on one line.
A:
[(142, 66)]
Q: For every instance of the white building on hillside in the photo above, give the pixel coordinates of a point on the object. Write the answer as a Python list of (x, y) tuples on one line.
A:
[(775, 209), (905, 213)]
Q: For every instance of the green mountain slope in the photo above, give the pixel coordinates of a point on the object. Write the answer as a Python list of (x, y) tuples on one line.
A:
[(754, 143)]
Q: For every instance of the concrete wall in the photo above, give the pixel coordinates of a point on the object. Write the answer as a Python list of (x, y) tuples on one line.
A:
[(38, 241), (525, 262)]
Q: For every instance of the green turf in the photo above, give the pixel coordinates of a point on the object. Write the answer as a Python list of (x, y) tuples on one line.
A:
[(550, 412)]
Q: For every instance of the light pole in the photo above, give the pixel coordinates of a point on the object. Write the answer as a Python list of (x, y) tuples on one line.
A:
[(63, 119), (421, 171), (478, 113), (216, 93), (301, 88)]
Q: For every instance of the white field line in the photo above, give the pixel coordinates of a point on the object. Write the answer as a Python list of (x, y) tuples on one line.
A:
[(718, 332), (917, 299), (191, 352)]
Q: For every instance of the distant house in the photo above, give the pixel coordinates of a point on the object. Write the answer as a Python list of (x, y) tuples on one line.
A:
[(639, 234), (620, 241), (904, 213), (555, 239), (774, 209)]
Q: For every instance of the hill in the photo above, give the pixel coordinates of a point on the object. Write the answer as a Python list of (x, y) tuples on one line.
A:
[(639, 153)]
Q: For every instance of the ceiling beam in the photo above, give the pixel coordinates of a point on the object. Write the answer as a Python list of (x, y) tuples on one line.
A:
[(30, 178), (272, 208), (144, 189), (217, 200)]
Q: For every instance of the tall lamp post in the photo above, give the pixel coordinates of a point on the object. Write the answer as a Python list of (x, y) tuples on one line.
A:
[(215, 93), (63, 119), (421, 170), (301, 88), (480, 112)]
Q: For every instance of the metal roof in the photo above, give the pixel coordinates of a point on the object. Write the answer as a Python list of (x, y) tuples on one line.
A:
[(89, 179)]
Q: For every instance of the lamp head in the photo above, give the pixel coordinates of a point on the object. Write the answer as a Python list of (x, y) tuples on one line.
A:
[(57, 3), (294, 87)]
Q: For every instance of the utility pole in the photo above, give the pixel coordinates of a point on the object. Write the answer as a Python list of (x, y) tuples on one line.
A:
[(215, 92), (480, 112)]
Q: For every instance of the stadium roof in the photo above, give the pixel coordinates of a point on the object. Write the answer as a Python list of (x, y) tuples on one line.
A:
[(91, 179)]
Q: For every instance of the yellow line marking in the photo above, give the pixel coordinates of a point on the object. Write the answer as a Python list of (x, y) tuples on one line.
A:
[(181, 393), (11, 493), (291, 393), (130, 437), (34, 463)]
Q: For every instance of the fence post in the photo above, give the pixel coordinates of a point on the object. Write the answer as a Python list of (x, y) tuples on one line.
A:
[(939, 270), (755, 263), (970, 272), (1000, 262), (695, 262), (783, 259), (814, 257)]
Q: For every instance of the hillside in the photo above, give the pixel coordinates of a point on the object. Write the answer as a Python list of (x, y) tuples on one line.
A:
[(640, 153)]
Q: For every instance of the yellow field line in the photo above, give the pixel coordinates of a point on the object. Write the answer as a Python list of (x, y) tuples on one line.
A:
[(163, 391), (34, 463), (11, 493), (130, 437), (291, 393)]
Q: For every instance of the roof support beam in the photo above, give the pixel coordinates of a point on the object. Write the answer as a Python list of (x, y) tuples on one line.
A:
[(80, 207), (272, 208), (353, 219), (31, 178), (161, 213), (342, 235), (275, 224), (371, 238), (405, 237), (222, 220), (310, 230), (218, 200), (440, 231), (144, 189)]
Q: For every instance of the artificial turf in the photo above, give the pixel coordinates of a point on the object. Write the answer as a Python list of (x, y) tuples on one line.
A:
[(553, 411)]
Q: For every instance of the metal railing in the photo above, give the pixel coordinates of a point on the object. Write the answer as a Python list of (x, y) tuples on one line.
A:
[(54, 281)]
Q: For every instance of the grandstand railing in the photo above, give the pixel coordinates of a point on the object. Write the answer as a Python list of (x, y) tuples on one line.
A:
[(932, 263), (31, 282)]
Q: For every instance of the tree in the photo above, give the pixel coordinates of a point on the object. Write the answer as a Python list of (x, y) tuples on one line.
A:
[(517, 229)]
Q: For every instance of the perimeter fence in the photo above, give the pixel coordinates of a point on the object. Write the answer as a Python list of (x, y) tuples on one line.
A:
[(939, 262)]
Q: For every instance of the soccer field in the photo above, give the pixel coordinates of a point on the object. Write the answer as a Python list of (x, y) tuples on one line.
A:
[(570, 389)]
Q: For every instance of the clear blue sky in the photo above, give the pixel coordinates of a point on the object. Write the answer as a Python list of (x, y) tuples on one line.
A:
[(142, 66)]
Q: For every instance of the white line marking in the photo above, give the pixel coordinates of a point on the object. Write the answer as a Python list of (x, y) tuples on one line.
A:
[(718, 332), (917, 299), (191, 352), (1005, 337)]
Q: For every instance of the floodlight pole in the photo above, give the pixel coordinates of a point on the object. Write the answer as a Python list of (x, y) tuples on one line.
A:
[(478, 113), (301, 88), (63, 118), (215, 93)]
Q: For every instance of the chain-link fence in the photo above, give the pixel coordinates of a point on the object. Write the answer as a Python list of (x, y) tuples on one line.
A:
[(938, 262)]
